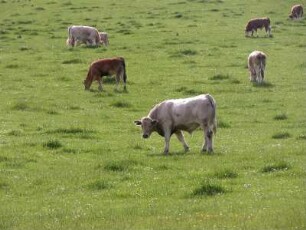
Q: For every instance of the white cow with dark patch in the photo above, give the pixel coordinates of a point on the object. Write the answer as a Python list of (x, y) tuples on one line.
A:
[(177, 115), (257, 65), (83, 34)]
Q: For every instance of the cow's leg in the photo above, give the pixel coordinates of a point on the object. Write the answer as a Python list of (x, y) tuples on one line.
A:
[(118, 76), (207, 146), (167, 135), (99, 79), (180, 137)]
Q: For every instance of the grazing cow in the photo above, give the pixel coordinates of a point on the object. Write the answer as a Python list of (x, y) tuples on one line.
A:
[(177, 115), (258, 23), (256, 66), (296, 12), (106, 67), (83, 34), (103, 38)]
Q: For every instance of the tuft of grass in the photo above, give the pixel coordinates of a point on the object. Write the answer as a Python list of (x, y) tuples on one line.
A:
[(219, 77), (282, 135), (99, 185), (53, 144), (208, 189), (21, 106), (281, 116), (4, 185), (72, 61), (302, 136), (226, 174), (188, 52), (120, 166), (15, 132), (280, 166), (121, 104), (223, 124), (187, 91)]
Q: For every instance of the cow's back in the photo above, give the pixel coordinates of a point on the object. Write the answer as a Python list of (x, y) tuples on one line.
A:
[(185, 111)]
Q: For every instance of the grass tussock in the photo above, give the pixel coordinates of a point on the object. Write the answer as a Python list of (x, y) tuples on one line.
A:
[(186, 91), (72, 61), (226, 174), (120, 166), (209, 188), (281, 116), (99, 185), (281, 135), (280, 166), (302, 136), (121, 104), (219, 77), (53, 144), (21, 106), (223, 124)]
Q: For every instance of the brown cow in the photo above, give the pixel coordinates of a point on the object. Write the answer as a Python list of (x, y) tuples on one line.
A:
[(106, 67), (257, 65), (296, 12), (258, 23)]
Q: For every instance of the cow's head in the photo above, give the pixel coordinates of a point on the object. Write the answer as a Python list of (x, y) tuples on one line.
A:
[(87, 84), (148, 126)]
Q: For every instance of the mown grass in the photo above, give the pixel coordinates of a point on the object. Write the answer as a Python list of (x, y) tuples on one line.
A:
[(73, 159)]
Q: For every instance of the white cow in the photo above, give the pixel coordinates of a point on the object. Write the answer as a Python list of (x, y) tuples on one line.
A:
[(177, 115), (103, 38), (83, 34), (257, 65)]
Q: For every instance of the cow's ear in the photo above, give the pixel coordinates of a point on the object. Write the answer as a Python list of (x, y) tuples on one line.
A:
[(137, 122), (154, 122)]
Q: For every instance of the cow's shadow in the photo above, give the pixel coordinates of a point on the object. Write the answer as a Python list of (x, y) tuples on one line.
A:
[(183, 153)]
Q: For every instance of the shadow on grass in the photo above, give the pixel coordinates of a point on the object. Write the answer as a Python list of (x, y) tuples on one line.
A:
[(264, 84)]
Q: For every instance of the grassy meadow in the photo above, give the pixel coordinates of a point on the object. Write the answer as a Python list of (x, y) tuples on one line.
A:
[(73, 159)]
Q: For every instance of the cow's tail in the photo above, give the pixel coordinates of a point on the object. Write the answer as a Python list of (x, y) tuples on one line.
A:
[(213, 121), (124, 72)]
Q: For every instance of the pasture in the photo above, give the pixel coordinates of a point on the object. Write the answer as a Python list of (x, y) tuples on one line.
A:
[(73, 159)]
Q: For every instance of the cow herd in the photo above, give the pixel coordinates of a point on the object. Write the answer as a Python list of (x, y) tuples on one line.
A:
[(175, 115)]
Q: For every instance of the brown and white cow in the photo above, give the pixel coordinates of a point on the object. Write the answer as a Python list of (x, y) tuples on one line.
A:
[(83, 34), (257, 65), (106, 67), (296, 12), (103, 38), (177, 115), (258, 23)]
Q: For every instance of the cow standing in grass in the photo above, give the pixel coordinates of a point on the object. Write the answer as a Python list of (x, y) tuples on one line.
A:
[(106, 67), (103, 38), (177, 115), (258, 23), (257, 65), (83, 34), (296, 12)]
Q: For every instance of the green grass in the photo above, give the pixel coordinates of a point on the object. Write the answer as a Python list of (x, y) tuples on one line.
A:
[(73, 159)]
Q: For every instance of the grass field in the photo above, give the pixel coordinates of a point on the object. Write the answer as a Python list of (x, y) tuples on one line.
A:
[(73, 159)]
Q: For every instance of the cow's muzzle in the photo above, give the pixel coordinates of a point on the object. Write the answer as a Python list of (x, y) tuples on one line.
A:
[(145, 136)]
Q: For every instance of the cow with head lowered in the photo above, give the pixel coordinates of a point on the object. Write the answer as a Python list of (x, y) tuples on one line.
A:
[(296, 12), (106, 67), (83, 34), (258, 23), (176, 115)]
